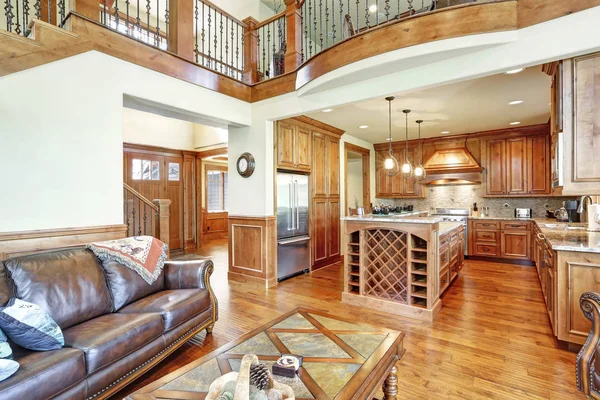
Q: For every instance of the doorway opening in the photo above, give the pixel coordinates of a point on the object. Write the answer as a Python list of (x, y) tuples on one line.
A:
[(357, 179)]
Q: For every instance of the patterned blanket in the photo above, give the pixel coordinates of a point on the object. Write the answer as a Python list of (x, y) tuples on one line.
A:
[(145, 255)]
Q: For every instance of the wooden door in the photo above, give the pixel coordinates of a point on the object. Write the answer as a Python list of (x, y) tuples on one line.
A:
[(174, 192), (285, 145), (539, 170), (189, 201), (516, 166), (302, 148), (333, 166), (495, 167), (145, 174), (319, 172), (516, 244), (333, 228)]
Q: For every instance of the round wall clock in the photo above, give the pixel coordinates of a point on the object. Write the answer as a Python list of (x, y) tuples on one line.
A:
[(245, 165)]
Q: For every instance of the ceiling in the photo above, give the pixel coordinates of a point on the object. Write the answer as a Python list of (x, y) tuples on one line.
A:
[(471, 106)]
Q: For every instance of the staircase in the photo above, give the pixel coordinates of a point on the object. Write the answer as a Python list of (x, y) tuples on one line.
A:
[(144, 217)]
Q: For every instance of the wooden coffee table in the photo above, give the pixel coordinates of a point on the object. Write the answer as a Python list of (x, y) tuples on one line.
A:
[(342, 359)]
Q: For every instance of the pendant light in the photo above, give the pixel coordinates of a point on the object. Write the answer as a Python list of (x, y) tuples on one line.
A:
[(391, 163), (420, 172), (407, 168)]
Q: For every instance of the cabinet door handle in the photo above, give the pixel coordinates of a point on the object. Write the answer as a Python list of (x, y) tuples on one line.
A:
[(541, 237)]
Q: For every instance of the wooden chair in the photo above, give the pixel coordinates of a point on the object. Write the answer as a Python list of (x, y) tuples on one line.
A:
[(587, 366)]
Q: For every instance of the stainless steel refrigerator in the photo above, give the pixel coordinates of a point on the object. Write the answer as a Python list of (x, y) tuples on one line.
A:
[(293, 240)]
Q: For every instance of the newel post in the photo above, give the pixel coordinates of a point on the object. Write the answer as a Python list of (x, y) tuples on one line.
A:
[(87, 8), (163, 220), (293, 20), (250, 51), (181, 28)]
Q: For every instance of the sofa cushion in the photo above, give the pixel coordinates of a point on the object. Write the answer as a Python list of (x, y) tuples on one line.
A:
[(68, 284), (110, 337), (42, 375), (175, 306), (30, 327), (7, 291), (126, 286), (176, 334)]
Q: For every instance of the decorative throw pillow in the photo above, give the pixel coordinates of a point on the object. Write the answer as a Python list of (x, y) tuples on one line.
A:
[(7, 368), (5, 350), (30, 327)]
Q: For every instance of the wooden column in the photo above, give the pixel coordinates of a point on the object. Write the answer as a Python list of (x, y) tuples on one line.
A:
[(163, 219), (250, 51), (181, 28), (87, 8), (293, 19)]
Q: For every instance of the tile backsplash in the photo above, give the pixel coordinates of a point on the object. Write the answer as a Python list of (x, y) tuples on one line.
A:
[(463, 196)]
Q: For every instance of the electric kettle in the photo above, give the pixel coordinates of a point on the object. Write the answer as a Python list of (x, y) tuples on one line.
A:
[(562, 215)]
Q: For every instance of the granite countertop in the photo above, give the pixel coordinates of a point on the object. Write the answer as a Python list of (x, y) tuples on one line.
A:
[(502, 218), (400, 218), (565, 236), (448, 226)]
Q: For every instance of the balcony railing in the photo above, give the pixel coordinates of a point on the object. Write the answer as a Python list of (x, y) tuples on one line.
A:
[(248, 50), (19, 13)]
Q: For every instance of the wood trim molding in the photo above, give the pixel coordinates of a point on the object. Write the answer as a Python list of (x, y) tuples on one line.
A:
[(366, 172), (320, 125), (213, 152), (14, 244)]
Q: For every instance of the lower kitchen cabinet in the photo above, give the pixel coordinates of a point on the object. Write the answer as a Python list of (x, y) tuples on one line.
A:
[(452, 256), (500, 239)]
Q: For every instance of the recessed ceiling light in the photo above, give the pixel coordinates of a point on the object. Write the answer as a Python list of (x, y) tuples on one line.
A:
[(328, 110), (514, 71), (515, 123), (363, 126), (389, 139), (515, 102), (373, 8), (445, 132)]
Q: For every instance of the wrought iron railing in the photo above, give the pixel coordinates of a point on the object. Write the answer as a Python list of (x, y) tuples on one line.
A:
[(139, 214), (328, 22), (19, 13), (143, 20), (218, 40), (272, 44)]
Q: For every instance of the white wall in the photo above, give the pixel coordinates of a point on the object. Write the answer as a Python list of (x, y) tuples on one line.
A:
[(207, 137), (62, 137), (242, 9), (354, 179), (140, 127)]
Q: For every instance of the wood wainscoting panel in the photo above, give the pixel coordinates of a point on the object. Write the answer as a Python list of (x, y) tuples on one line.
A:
[(13, 244), (252, 250)]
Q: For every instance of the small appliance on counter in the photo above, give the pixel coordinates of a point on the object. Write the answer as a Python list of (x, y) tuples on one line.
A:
[(522, 212), (561, 215), (571, 207)]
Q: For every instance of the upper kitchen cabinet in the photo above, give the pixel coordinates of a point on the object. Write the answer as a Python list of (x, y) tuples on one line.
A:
[(518, 165), (395, 187), (581, 126), (293, 146)]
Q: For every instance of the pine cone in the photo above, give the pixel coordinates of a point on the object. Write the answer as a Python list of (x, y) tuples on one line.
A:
[(260, 376)]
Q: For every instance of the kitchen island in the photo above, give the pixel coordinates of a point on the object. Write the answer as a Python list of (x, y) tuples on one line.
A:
[(401, 264)]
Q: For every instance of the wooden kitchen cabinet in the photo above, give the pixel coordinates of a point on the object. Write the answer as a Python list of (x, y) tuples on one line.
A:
[(293, 146), (500, 239), (516, 244), (452, 256), (396, 187), (518, 166)]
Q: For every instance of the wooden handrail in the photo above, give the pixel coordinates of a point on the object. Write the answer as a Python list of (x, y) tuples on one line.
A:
[(220, 10), (140, 196), (271, 19)]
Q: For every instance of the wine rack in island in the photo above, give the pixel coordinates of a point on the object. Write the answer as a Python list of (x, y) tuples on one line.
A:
[(393, 268)]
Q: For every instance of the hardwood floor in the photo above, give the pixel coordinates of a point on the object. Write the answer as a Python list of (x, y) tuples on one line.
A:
[(491, 340)]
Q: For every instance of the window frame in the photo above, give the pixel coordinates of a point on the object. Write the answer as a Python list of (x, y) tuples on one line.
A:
[(223, 169)]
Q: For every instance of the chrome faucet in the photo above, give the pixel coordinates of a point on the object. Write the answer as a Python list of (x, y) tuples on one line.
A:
[(582, 206)]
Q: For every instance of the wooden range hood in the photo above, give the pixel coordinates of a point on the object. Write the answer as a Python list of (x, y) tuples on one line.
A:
[(452, 167)]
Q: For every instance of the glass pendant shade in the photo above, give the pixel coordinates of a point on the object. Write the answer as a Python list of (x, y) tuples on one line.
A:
[(420, 172), (391, 163)]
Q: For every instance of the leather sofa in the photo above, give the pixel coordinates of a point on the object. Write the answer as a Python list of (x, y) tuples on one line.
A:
[(116, 326), (587, 365)]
